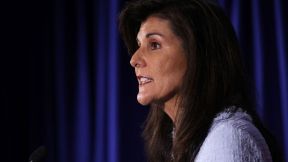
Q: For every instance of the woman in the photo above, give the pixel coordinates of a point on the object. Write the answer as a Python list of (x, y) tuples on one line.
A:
[(188, 65)]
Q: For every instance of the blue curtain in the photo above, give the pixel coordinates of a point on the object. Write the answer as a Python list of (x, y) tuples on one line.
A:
[(90, 86), (75, 92)]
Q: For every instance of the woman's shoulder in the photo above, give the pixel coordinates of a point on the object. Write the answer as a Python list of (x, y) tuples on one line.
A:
[(233, 137)]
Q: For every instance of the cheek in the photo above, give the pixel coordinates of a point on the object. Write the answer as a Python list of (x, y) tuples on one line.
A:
[(170, 78), (173, 69)]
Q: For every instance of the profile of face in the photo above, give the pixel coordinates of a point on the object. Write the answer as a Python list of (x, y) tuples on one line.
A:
[(159, 62)]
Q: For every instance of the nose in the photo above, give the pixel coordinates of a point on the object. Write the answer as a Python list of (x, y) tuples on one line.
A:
[(137, 60)]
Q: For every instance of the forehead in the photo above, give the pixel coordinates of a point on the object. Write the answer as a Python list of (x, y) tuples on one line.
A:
[(154, 24)]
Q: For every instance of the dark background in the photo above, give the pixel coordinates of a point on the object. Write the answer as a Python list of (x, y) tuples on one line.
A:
[(50, 48)]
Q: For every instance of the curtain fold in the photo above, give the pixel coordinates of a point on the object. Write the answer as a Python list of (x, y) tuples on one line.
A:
[(86, 74), (258, 53), (82, 101), (281, 50), (60, 88)]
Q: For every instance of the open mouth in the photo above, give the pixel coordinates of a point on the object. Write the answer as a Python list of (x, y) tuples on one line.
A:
[(144, 80)]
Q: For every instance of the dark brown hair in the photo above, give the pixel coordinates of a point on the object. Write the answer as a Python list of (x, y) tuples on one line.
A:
[(214, 78)]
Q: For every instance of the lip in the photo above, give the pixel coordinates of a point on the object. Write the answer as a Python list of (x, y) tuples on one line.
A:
[(142, 80)]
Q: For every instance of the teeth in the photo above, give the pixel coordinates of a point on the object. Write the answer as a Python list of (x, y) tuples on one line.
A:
[(144, 80)]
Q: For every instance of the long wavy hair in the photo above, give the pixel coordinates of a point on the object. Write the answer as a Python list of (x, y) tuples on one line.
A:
[(214, 80)]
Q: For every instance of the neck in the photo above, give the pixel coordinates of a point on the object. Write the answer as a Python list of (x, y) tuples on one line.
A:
[(171, 107)]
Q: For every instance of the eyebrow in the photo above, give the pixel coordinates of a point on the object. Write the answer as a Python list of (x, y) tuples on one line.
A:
[(151, 34)]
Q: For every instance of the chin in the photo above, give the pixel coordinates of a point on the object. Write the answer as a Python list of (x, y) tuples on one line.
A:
[(143, 101)]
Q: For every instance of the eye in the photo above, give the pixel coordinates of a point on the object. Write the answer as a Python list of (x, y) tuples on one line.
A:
[(154, 45)]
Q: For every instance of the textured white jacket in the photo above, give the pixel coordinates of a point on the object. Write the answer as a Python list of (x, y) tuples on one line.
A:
[(233, 138)]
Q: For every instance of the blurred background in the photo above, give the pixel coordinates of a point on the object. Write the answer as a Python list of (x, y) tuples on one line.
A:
[(66, 82)]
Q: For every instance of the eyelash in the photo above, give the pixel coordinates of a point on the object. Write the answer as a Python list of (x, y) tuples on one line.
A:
[(153, 44)]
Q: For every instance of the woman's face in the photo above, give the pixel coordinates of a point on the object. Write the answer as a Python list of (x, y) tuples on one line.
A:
[(159, 62)]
